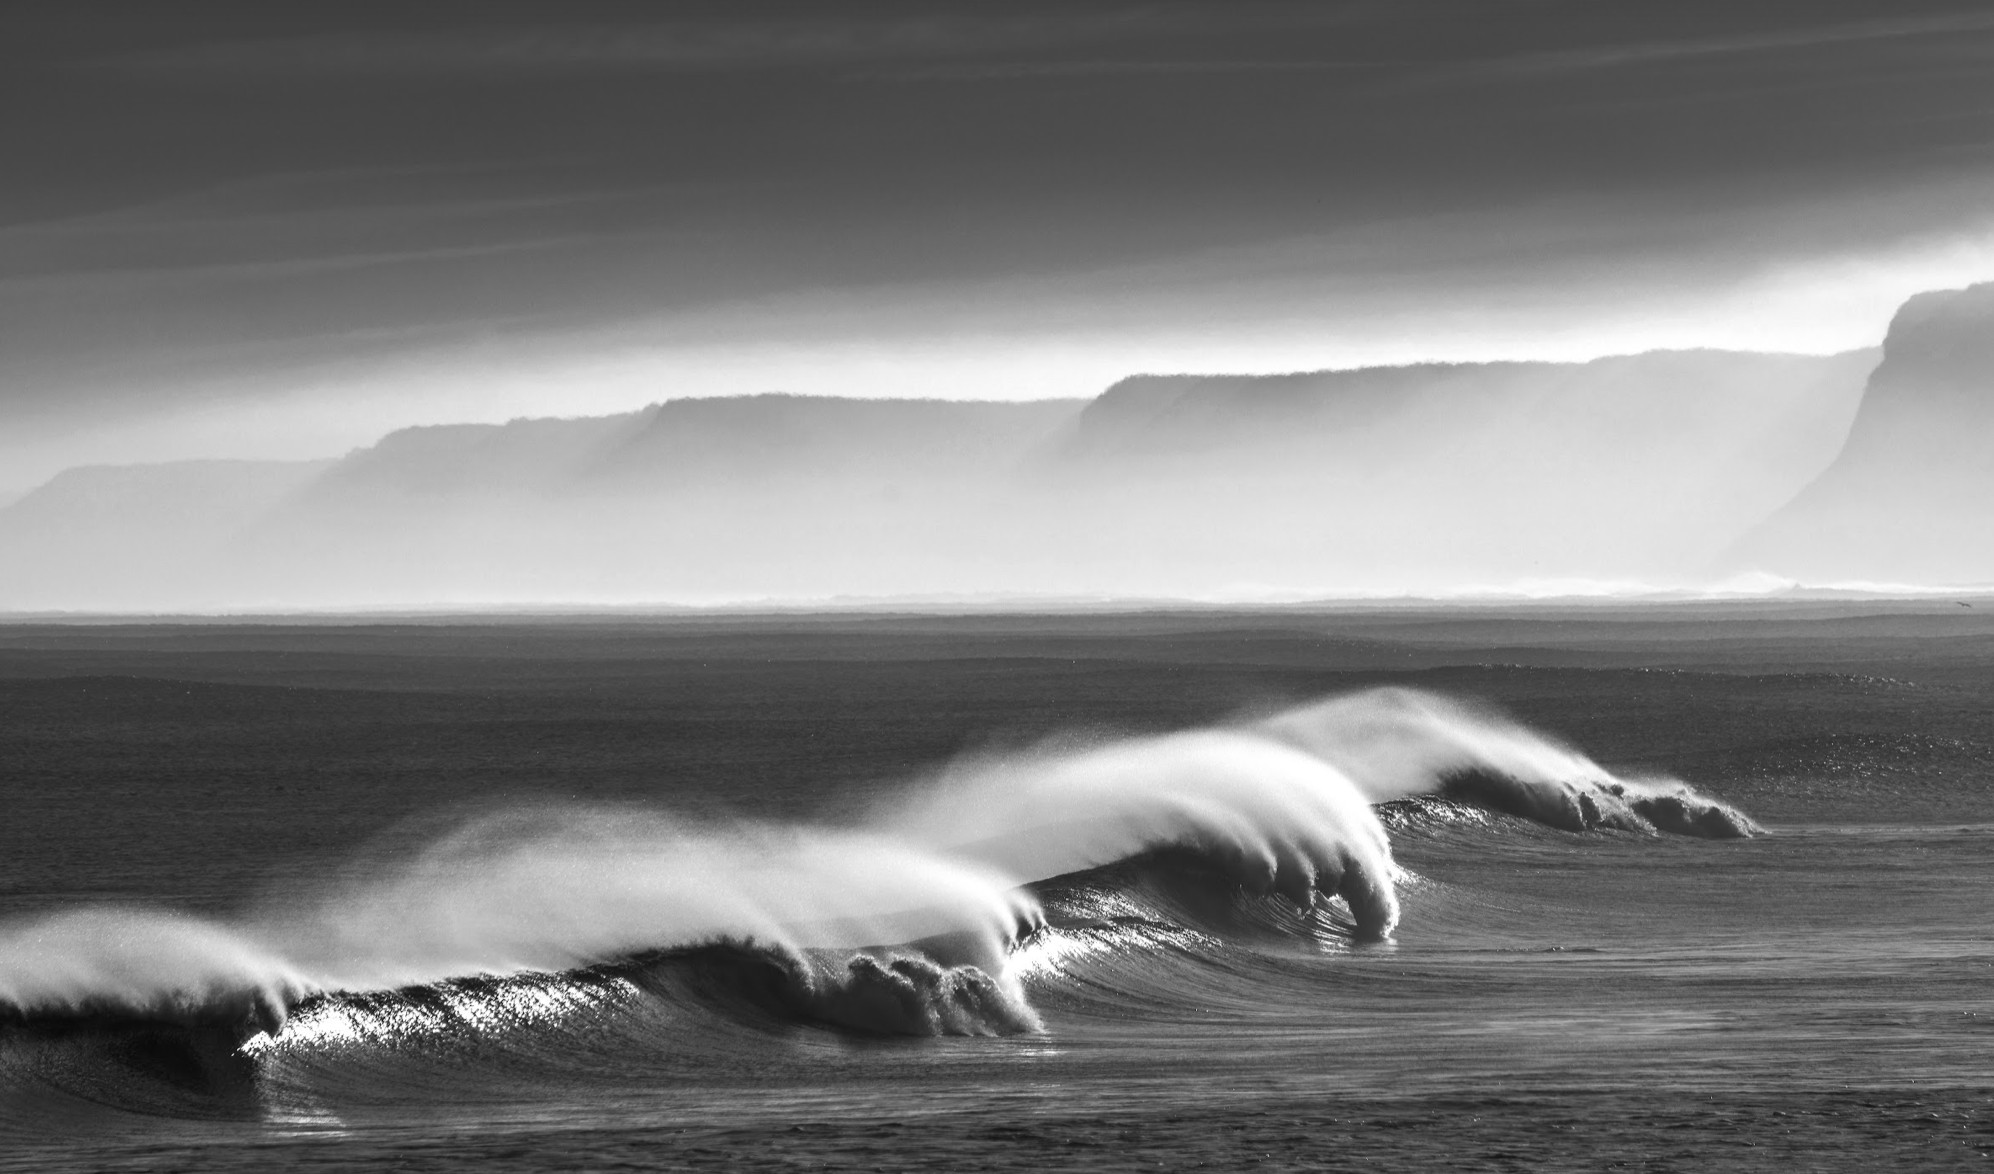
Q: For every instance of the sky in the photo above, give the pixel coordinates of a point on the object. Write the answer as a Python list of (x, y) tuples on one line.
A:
[(280, 230)]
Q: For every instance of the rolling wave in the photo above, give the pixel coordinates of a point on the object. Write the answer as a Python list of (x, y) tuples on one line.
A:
[(1275, 818), (999, 884), (1401, 743)]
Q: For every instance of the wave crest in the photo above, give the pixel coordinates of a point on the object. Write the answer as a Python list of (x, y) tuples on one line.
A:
[(118, 962), (1279, 820), (904, 924), (549, 889), (1405, 743)]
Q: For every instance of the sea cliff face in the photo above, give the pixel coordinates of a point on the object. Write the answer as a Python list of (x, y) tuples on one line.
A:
[(1422, 479), (144, 536), (1907, 500), (1442, 476)]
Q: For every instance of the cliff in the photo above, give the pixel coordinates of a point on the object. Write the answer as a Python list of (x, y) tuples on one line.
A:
[(1907, 500)]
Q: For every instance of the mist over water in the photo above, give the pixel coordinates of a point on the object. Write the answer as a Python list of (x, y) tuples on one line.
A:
[(1712, 472)]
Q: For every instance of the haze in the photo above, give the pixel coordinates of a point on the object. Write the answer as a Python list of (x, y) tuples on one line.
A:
[(275, 235)]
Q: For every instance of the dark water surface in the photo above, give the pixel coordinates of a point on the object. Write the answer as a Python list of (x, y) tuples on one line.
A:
[(1816, 997)]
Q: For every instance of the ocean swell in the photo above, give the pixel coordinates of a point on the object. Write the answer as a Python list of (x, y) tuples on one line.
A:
[(906, 922)]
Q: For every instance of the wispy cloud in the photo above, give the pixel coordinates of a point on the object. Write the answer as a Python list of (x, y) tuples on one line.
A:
[(1775, 41), (127, 278), (1004, 70), (683, 45)]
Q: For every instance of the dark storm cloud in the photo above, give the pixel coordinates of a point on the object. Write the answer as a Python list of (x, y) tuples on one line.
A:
[(210, 196)]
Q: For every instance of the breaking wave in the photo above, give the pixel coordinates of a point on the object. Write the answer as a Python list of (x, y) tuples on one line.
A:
[(1277, 820), (129, 962), (1403, 743), (951, 909), (541, 890)]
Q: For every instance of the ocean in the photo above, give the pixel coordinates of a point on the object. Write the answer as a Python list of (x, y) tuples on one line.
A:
[(1668, 887)]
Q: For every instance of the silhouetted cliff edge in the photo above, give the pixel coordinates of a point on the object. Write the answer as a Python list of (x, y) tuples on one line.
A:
[(1910, 498)]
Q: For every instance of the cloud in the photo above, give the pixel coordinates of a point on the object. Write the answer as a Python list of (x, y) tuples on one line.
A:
[(1006, 70), (671, 45), (1612, 56)]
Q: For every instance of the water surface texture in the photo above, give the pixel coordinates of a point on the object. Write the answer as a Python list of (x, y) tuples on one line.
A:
[(1675, 888)]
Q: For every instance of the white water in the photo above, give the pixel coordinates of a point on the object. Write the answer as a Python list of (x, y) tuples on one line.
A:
[(1283, 804), (1401, 743), (1280, 819)]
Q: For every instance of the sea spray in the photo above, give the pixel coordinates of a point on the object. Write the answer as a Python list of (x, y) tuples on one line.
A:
[(1404, 743), (1277, 819), (555, 887), (904, 922), (127, 961), (543, 890)]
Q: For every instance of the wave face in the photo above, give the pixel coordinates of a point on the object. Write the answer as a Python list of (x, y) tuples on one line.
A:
[(1114, 870)]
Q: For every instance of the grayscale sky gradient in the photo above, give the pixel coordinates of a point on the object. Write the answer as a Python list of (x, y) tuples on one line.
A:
[(279, 230)]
